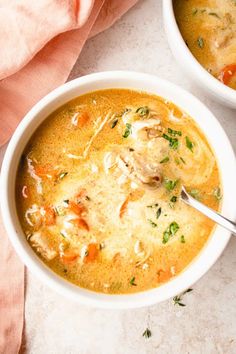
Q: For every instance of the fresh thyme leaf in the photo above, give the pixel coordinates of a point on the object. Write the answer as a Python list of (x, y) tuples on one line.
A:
[(158, 213), (217, 193), (169, 184), (174, 132), (182, 239), (200, 42), (194, 11), (187, 291), (170, 231), (87, 198), (62, 175), (194, 193), (147, 333), (153, 224), (214, 14), (62, 234), (173, 142), (189, 143), (114, 123), (153, 205), (174, 227), (166, 159), (166, 237), (142, 111), (177, 299), (132, 281), (173, 199), (181, 158), (66, 201), (128, 130)]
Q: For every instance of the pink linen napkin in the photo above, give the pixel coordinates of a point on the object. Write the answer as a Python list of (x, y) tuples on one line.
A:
[(41, 42)]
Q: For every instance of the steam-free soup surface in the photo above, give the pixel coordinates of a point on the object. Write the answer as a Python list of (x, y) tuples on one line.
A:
[(209, 30), (98, 189)]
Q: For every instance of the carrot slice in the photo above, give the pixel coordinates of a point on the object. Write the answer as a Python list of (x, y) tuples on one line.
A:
[(78, 209), (49, 216), (227, 73), (45, 171), (80, 223), (92, 253), (83, 119), (68, 257), (123, 207), (82, 193), (163, 275)]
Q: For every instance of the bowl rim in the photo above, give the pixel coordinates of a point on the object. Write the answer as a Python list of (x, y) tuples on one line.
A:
[(223, 92), (199, 266)]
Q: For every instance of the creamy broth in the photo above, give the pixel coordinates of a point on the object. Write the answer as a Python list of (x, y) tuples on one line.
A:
[(98, 187), (209, 30)]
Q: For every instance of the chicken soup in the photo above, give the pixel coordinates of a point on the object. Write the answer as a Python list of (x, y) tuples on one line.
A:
[(98, 191), (209, 30)]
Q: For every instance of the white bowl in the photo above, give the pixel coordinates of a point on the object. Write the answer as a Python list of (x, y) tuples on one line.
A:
[(137, 81), (207, 82)]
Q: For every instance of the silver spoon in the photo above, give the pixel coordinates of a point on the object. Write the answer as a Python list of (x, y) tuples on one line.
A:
[(210, 213)]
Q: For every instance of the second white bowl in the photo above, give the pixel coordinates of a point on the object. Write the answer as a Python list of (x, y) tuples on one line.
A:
[(219, 91)]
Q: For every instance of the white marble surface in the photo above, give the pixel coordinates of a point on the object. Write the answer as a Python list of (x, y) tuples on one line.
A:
[(207, 325)]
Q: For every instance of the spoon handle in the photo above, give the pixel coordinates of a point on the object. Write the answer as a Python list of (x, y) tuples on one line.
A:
[(210, 213)]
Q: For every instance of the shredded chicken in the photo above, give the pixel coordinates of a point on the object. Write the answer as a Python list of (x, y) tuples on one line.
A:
[(140, 168), (146, 129), (40, 241)]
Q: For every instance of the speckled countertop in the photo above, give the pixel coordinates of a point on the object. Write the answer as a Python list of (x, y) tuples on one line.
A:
[(207, 324)]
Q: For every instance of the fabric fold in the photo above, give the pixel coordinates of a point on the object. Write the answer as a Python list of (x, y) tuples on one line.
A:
[(41, 46)]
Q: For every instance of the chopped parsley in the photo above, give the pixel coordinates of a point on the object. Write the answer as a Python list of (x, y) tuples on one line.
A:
[(152, 223), (194, 11), (200, 42), (173, 142), (169, 184), (182, 239), (132, 281), (147, 333), (178, 299), (189, 143), (158, 213), (174, 132), (170, 231), (166, 159), (66, 201), (142, 111), (217, 193), (128, 130), (114, 123)]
